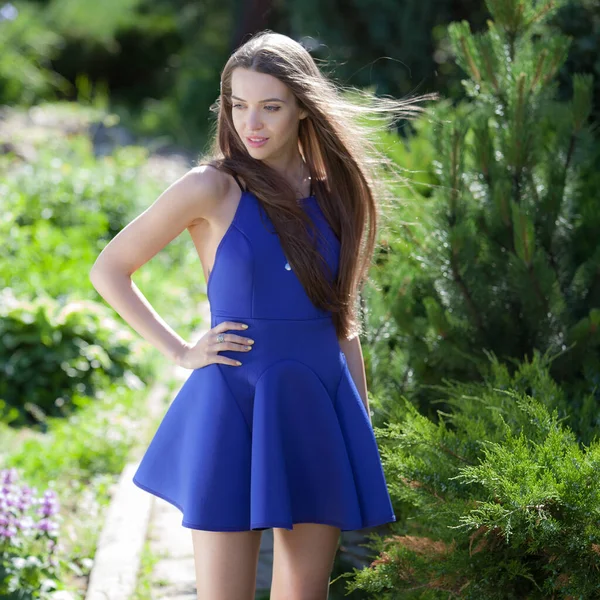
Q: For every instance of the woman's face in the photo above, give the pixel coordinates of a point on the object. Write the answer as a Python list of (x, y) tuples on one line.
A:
[(265, 114)]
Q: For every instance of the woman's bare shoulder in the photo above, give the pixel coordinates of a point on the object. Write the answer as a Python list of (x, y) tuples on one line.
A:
[(184, 203), (209, 185)]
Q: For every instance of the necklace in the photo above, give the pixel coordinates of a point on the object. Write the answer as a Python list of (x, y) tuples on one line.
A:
[(298, 189)]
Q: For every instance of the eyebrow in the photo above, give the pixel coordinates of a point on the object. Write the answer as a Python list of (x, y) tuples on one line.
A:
[(260, 101)]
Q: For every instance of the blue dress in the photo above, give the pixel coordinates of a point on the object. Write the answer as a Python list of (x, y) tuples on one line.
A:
[(285, 438)]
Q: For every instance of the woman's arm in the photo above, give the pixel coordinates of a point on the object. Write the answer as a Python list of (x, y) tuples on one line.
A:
[(188, 199), (353, 351)]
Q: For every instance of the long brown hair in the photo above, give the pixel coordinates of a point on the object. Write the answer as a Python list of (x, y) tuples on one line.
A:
[(345, 168)]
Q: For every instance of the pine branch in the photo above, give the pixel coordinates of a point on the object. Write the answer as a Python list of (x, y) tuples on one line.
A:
[(452, 453), (470, 60), (460, 282), (553, 263), (402, 387), (542, 57), (570, 153), (432, 586), (489, 69), (537, 289), (593, 287)]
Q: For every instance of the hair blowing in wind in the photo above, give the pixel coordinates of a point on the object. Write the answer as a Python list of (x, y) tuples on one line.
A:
[(335, 140)]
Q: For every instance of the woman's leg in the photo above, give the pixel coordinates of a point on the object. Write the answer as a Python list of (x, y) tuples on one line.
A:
[(303, 560), (226, 563)]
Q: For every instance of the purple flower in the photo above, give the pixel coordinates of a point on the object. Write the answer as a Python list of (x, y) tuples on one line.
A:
[(15, 501), (47, 525), (46, 511), (8, 532), (8, 475), (24, 504)]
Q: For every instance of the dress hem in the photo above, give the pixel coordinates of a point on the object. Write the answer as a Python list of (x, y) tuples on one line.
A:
[(263, 525)]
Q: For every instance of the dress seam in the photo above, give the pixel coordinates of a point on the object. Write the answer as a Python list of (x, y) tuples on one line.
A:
[(252, 295), (234, 399), (335, 408), (294, 361), (222, 314)]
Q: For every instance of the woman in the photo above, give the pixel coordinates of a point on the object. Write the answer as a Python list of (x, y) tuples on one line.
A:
[(272, 428)]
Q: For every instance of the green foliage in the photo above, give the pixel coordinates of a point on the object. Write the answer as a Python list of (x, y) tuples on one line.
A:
[(388, 44), (501, 256), (27, 46), (68, 186), (51, 260), (50, 350), (396, 325), (81, 456), (506, 497), (485, 288), (97, 23), (67, 360), (581, 21), (160, 59), (64, 206), (57, 340), (59, 211), (198, 45), (94, 441)]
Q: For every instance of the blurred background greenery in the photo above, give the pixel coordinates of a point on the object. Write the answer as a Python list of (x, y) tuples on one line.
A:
[(482, 313), (158, 61)]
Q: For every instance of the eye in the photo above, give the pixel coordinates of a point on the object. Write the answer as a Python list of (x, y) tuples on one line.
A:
[(270, 107)]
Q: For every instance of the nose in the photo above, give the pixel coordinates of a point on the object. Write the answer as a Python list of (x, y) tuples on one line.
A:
[(254, 122)]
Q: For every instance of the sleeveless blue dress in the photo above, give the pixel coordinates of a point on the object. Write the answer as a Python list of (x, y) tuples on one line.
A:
[(284, 438)]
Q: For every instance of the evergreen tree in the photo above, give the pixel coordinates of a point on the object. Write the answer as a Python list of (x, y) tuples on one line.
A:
[(508, 259)]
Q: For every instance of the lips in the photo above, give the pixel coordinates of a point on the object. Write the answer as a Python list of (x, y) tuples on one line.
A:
[(255, 142)]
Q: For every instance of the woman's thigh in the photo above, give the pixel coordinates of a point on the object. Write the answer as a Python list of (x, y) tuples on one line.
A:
[(226, 563), (302, 561)]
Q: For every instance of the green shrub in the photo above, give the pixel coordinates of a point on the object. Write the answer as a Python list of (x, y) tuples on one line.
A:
[(502, 500), (95, 441), (67, 185), (44, 260), (49, 351), (60, 210)]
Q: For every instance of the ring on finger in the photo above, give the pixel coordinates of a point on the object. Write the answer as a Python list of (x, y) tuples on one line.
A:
[(221, 338)]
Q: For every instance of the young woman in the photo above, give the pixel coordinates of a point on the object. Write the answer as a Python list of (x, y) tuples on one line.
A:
[(272, 428)]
